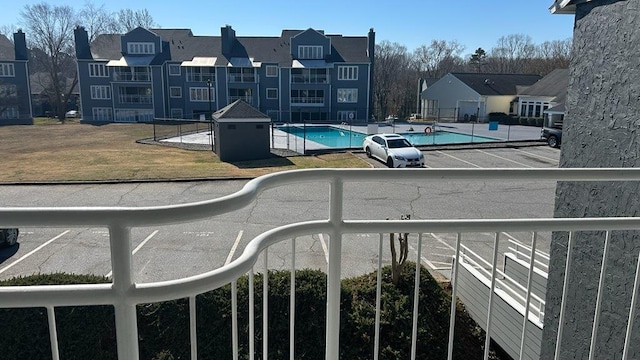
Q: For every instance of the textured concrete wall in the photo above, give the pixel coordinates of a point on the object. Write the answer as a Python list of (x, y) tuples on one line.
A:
[(601, 129)]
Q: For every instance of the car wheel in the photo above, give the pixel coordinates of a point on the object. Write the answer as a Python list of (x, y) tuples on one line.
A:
[(552, 141), (368, 151), (390, 162), (10, 236)]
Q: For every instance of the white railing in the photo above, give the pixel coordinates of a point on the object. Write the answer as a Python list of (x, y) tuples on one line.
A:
[(124, 293)]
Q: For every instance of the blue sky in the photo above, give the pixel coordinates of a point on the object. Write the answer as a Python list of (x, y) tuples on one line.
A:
[(473, 23)]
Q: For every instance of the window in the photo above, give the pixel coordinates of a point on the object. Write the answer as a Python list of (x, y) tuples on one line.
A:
[(8, 91), (201, 74), (135, 95), (102, 114), (176, 113), (10, 112), (309, 76), (310, 52), (7, 70), (239, 74), (141, 48), (346, 115), (201, 94), (272, 71), (347, 95), (272, 93), (100, 92), (98, 70), (174, 69), (307, 96), (175, 92), (533, 108), (347, 73)]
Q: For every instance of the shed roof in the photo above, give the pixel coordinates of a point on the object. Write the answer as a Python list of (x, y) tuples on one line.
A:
[(240, 110)]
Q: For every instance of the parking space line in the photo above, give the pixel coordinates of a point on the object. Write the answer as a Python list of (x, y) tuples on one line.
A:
[(422, 258), (324, 247), (33, 252), (536, 155), (137, 248), (453, 157), (234, 247), (503, 158)]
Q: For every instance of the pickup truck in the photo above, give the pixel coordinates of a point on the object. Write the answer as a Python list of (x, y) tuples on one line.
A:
[(552, 135)]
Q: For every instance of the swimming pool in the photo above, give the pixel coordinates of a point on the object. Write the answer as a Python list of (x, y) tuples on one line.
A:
[(334, 137)]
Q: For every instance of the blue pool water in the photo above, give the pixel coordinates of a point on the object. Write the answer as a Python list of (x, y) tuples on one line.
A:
[(339, 138)]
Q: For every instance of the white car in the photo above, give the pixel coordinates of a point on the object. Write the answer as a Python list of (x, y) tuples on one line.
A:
[(394, 150), (72, 114)]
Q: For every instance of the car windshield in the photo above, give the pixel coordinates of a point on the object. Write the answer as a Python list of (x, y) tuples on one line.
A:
[(398, 143)]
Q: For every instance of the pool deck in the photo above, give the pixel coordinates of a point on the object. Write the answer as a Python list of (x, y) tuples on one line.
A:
[(284, 140)]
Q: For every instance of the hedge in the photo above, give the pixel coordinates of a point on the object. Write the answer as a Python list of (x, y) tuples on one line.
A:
[(163, 328)]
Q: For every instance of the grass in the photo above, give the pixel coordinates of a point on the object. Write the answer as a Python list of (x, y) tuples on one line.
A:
[(49, 151)]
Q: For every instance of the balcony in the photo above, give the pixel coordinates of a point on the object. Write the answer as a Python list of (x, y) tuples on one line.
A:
[(313, 101), (136, 76), (201, 77), (242, 78), (135, 99), (124, 293), (309, 79)]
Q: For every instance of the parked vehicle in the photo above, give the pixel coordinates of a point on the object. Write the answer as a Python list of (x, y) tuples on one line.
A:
[(394, 150), (553, 136), (9, 237), (72, 114)]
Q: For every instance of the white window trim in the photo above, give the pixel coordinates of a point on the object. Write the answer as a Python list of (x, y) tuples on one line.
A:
[(171, 94), (271, 67), (310, 52), (100, 92), (141, 48), (175, 66), (102, 113), (98, 70), (7, 70), (353, 92), (347, 73), (199, 91), (272, 89)]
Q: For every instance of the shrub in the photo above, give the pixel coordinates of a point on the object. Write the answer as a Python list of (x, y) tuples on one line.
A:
[(89, 332)]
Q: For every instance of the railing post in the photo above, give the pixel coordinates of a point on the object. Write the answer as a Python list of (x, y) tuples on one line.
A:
[(126, 318), (333, 273)]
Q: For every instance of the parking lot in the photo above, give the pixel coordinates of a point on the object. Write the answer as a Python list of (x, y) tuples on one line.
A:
[(175, 251)]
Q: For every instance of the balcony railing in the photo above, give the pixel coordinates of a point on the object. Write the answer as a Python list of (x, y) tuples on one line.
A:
[(135, 99), (124, 293), (201, 77), (132, 77), (245, 78), (309, 79), (307, 100), (248, 99)]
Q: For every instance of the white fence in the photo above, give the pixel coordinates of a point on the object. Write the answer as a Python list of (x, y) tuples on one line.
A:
[(124, 294)]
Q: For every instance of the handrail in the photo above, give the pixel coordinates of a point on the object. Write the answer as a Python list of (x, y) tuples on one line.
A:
[(124, 293)]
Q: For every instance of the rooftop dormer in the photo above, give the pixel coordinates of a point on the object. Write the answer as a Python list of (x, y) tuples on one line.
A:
[(310, 45)]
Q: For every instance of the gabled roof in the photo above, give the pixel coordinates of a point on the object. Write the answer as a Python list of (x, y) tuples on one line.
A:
[(7, 50), (553, 85), (496, 84), (240, 110), (181, 45)]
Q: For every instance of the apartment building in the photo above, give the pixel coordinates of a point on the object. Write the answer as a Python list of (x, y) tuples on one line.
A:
[(299, 76), (15, 99)]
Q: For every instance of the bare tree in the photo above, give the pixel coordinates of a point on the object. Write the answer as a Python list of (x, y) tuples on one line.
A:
[(439, 58), (394, 80), (8, 30), (128, 20), (50, 29), (512, 54), (97, 20)]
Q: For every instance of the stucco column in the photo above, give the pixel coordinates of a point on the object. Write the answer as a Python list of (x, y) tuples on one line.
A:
[(601, 129)]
